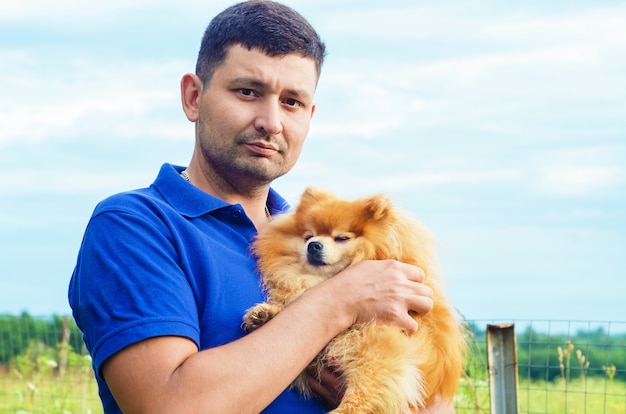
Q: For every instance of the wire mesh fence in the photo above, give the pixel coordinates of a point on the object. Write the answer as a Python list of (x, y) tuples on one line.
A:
[(570, 367), (563, 367), (44, 367)]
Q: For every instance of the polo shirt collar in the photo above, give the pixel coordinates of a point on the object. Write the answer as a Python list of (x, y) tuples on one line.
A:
[(190, 201)]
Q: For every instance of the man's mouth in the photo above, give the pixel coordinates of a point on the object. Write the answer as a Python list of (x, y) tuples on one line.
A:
[(262, 148)]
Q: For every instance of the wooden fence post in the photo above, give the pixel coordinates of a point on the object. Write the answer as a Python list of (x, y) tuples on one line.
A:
[(502, 359), (63, 346)]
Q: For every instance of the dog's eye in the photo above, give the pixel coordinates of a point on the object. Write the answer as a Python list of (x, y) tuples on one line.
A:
[(308, 236), (340, 239)]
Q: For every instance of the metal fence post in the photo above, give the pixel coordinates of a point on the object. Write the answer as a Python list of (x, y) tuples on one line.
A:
[(502, 358)]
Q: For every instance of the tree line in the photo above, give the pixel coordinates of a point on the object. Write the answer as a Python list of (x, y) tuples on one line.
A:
[(587, 353), (540, 356), (21, 333)]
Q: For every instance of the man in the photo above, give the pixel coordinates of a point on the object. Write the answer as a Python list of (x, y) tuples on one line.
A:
[(164, 273)]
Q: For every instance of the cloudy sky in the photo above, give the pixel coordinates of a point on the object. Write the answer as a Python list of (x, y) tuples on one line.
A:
[(501, 125)]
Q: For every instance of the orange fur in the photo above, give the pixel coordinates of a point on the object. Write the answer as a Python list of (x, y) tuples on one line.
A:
[(386, 370)]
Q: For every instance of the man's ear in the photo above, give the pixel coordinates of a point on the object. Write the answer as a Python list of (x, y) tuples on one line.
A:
[(190, 92)]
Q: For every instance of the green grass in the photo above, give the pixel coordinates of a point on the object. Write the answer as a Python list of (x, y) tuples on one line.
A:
[(596, 396), (47, 392), (76, 392)]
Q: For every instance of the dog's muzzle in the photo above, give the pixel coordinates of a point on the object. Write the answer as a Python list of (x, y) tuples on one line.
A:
[(315, 253)]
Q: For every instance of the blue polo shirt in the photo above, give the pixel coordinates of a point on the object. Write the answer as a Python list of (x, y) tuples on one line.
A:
[(169, 259)]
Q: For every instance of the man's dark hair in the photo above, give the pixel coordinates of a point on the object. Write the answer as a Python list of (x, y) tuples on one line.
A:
[(270, 27)]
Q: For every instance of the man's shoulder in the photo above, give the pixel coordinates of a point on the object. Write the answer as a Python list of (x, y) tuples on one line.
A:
[(140, 199), (132, 201)]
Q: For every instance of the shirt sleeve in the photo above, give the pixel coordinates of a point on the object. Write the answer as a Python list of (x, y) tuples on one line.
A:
[(128, 285)]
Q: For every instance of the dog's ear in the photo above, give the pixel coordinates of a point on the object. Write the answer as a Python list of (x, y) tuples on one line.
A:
[(377, 207), (313, 195), (310, 193), (310, 197)]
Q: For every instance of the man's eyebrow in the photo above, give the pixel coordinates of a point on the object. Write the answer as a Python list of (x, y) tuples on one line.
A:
[(248, 82), (256, 83)]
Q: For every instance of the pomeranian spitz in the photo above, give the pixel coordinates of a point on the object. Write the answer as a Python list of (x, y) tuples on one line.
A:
[(385, 369)]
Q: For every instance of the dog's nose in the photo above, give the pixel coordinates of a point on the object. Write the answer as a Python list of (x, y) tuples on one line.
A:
[(315, 248), (315, 253)]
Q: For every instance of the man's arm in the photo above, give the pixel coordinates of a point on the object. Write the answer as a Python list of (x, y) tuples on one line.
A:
[(168, 374)]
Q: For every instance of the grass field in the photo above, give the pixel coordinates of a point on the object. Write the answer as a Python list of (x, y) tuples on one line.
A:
[(596, 396), (47, 392)]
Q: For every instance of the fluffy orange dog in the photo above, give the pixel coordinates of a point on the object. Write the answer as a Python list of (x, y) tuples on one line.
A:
[(385, 370)]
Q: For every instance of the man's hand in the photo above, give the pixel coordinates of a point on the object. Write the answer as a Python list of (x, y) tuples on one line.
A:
[(328, 387), (383, 290)]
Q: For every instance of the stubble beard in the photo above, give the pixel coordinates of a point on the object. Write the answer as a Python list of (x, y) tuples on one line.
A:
[(235, 166)]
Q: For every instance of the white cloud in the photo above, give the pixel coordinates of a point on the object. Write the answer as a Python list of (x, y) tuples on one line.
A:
[(45, 182), (581, 171), (582, 180), (59, 12), (96, 12), (534, 88), (83, 95), (506, 48), (403, 20), (604, 25)]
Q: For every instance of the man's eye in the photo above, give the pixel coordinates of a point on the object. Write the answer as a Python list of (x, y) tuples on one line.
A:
[(291, 102), (246, 92)]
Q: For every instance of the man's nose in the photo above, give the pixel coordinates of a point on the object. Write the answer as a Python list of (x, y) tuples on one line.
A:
[(269, 118)]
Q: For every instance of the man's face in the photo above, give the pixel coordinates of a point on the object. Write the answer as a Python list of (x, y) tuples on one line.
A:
[(254, 115)]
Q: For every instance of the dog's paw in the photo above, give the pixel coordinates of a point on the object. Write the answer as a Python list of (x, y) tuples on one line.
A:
[(259, 315)]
